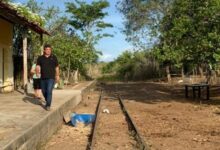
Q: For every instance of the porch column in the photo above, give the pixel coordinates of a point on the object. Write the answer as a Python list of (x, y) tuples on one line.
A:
[(42, 44), (25, 67)]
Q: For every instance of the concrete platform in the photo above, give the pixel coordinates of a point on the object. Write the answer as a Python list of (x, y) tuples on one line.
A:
[(25, 125)]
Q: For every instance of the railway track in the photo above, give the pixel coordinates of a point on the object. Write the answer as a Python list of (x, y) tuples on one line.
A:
[(132, 127), (126, 125)]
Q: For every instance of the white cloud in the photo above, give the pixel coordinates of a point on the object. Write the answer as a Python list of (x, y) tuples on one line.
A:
[(106, 57)]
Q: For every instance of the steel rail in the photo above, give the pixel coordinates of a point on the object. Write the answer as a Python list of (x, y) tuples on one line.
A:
[(142, 144), (90, 145), (133, 127)]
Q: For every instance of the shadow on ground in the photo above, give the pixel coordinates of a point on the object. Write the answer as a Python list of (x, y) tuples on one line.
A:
[(153, 93), (31, 99)]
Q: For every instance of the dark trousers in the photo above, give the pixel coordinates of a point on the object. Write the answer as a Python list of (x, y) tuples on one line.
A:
[(47, 88)]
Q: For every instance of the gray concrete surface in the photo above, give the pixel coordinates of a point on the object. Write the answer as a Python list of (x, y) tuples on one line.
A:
[(25, 125)]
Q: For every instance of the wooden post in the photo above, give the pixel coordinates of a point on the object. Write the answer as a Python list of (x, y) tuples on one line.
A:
[(25, 67), (42, 44), (186, 91)]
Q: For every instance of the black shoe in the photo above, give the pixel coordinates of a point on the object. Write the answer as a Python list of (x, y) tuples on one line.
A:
[(48, 108)]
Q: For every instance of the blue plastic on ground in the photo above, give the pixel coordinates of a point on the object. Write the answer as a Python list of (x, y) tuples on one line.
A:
[(84, 118)]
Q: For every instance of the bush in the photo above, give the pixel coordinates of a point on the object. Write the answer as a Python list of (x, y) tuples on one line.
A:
[(133, 66)]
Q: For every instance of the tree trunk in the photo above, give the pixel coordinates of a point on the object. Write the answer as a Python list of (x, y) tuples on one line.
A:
[(68, 71), (214, 77), (193, 76), (182, 73), (76, 79), (196, 75), (201, 71), (168, 73), (64, 77), (72, 76), (90, 70)]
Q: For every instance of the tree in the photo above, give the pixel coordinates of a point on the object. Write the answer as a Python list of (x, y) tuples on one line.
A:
[(51, 19), (50, 14), (191, 30), (142, 20), (70, 48), (71, 51), (7, 1), (88, 18), (133, 65), (185, 32)]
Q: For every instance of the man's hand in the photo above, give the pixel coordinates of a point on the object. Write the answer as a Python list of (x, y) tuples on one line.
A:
[(57, 79)]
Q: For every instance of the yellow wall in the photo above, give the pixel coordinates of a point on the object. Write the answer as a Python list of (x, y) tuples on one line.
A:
[(6, 37), (6, 32)]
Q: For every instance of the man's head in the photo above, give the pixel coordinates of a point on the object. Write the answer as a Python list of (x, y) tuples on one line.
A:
[(47, 49)]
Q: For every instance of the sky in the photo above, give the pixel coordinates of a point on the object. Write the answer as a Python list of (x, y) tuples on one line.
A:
[(110, 47)]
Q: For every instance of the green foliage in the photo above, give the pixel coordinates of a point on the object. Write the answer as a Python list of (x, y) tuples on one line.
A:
[(6, 1), (183, 32), (85, 14), (71, 50), (109, 78), (142, 20), (109, 68), (191, 31), (50, 14), (27, 13), (88, 18), (53, 24), (133, 66)]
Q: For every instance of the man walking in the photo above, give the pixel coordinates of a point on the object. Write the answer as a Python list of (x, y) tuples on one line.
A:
[(48, 67)]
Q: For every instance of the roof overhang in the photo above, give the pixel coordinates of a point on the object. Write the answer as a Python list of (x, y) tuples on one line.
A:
[(11, 15)]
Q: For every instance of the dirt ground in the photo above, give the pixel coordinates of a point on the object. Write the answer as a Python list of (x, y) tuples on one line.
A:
[(75, 138), (167, 120), (113, 132)]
